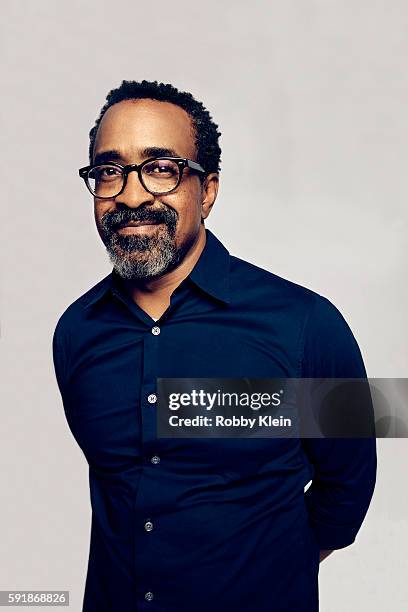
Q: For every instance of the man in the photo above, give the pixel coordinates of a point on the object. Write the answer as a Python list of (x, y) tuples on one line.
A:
[(195, 524)]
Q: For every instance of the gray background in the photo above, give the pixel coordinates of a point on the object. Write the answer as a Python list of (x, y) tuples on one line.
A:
[(318, 88)]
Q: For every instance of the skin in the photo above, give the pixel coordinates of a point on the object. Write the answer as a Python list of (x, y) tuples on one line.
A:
[(324, 554), (128, 127)]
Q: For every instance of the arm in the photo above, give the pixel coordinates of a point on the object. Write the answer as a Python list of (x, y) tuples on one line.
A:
[(343, 470), (58, 359)]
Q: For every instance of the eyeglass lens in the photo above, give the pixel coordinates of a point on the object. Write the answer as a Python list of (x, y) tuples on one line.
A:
[(159, 176)]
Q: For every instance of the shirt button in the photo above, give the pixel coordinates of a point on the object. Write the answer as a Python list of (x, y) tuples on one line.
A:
[(152, 398), (148, 596), (155, 459), (148, 525), (155, 330)]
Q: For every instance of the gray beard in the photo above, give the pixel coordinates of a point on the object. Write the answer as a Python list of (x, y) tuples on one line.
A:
[(144, 257)]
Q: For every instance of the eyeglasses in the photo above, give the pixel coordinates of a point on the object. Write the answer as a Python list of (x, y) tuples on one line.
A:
[(158, 175)]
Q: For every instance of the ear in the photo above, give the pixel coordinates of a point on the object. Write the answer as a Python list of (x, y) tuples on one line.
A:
[(209, 193)]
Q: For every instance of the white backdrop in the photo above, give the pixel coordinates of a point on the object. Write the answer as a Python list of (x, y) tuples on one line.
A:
[(317, 89)]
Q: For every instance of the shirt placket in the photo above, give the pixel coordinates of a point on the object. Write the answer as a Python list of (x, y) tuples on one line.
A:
[(147, 501), (144, 522)]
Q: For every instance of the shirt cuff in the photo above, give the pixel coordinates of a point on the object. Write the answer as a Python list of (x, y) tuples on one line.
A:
[(332, 537)]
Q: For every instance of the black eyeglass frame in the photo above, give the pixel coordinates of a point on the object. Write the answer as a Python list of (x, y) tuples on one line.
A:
[(182, 163)]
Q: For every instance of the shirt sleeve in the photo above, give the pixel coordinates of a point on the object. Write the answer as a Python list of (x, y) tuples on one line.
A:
[(344, 470), (59, 360)]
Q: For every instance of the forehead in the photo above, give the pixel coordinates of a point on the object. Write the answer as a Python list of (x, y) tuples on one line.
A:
[(133, 125)]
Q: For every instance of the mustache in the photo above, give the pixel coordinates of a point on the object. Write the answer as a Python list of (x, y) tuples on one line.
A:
[(113, 220)]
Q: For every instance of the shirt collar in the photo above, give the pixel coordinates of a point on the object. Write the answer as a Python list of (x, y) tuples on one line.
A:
[(210, 273)]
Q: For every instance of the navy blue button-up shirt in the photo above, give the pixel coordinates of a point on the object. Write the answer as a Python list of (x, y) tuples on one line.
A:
[(212, 523)]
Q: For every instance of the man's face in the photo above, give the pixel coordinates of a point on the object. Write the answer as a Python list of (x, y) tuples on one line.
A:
[(126, 131)]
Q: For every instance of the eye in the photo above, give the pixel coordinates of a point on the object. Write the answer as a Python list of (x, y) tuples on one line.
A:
[(161, 167), (110, 171), (105, 173)]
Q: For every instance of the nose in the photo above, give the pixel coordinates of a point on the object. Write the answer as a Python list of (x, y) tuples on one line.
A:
[(134, 194)]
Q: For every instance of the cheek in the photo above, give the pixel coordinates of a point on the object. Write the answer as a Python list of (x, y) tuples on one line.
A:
[(188, 205), (189, 219), (99, 211)]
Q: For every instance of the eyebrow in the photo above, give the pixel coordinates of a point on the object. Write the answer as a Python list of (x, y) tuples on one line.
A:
[(113, 155)]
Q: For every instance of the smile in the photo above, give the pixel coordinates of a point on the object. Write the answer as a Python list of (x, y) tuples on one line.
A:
[(140, 227)]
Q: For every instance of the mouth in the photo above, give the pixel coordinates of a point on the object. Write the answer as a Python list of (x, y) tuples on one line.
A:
[(136, 227)]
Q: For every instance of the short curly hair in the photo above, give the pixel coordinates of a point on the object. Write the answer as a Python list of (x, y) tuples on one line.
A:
[(206, 131)]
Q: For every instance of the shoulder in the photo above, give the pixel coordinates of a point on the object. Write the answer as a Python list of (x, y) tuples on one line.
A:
[(260, 284), (318, 309), (327, 345), (75, 313)]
